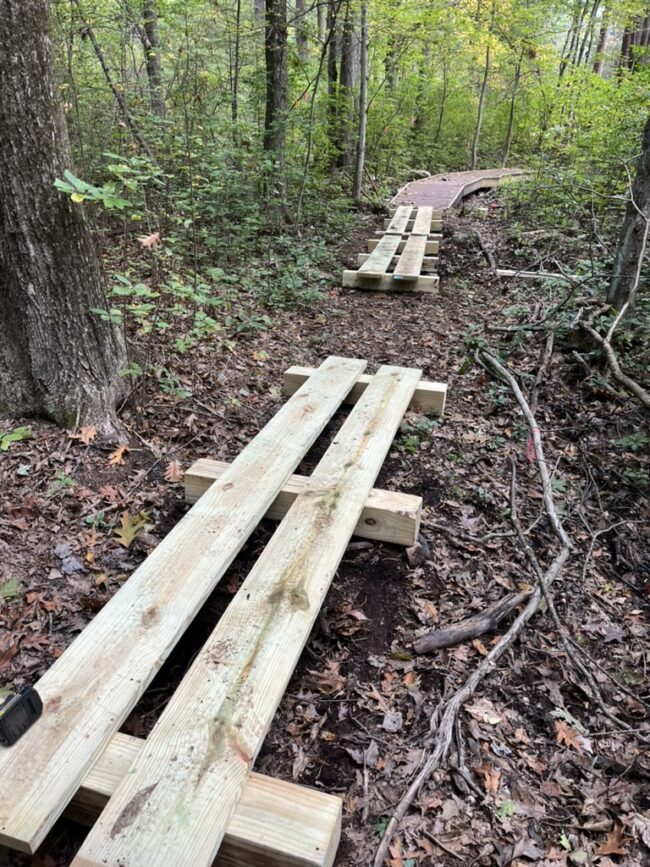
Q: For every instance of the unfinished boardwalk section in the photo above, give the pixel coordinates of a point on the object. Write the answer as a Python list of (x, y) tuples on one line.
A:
[(187, 795), (448, 190), (400, 260)]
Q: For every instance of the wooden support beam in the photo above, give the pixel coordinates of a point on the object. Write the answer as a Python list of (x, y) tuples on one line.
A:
[(275, 824), (436, 213), (432, 247), (436, 226), (433, 236), (92, 687), (429, 397), (174, 805), (355, 280), (429, 263), (387, 516)]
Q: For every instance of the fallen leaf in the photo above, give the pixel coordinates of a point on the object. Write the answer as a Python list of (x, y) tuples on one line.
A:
[(614, 843), (149, 242), (130, 527), (85, 434), (174, 471), (491, 778), (564, 734), (329, 681), (117, 457), (484, 711), (477, 644)]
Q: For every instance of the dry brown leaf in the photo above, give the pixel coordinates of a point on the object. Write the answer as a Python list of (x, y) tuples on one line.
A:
[(614, 843), (491, 778), (564, 734), (85, 434), (477, 644), (329, 681), (150, 241), (130, 528), (174, 472), (117, 457)]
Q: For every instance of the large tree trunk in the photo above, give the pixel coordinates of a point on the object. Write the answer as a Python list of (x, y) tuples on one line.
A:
[(275, 50), (57, 358), (634, 234), (153, 57), (359, 165), (302, 41), (347, 82)]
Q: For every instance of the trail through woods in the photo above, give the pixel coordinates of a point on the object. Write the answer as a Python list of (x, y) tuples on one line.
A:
[(542, 769)]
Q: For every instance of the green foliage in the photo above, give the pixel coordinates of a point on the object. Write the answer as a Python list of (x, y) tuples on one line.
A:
[(15, 436), (80, 191)]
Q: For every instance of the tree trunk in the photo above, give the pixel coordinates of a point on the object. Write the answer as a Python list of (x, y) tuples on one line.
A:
[(511, 115), (332, 74), (601, 48), (57, 358), (302, 43), (625, 59), (234, 72), (349, 73), (320, 19), (275, 50), (363, 109), (634, 234), (153, 57), (443, 101), (481, 109)]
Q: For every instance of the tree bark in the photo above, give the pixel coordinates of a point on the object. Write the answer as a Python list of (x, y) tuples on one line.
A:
[(632, 243), (151, 45), (359, 166), (481, 107), (302, 43), (57, 358), (275, 51), (511, 114), (349, 73), (601, 48)]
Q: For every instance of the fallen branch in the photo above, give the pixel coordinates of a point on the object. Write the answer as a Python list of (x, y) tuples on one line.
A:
[(612, 362), (443, 720), (546, 357), (471, 627)]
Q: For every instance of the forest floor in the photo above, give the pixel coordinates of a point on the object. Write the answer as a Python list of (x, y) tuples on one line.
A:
[(552, 780)]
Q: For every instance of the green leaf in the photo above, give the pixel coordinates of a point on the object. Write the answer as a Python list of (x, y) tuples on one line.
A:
[(14, 436), (564, 841), (508, 808), (10, 588), (77, 197)]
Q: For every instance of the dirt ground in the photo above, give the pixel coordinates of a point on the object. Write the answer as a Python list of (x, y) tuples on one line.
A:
[(551, 780)]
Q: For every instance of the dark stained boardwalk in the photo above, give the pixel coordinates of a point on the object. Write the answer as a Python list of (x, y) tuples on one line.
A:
[(447, 191)]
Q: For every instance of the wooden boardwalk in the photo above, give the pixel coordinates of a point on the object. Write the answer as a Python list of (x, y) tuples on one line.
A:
[(187, 794), (448, 190)]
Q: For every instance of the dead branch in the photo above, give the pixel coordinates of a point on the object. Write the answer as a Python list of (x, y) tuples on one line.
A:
[(612, 362), (471, 627), (546, 357), (444, 718)]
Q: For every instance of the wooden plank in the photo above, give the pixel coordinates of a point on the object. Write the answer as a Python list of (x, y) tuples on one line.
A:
[(432, 247), (92, 687), (397, 225), (275, 824), (539, 275), (433, 236), (436, 213), (436, 226), (355, 280), (388, 516), (429, 263), (422, 221), (174, 805), (429, 397), (380, 258), (409, 266)]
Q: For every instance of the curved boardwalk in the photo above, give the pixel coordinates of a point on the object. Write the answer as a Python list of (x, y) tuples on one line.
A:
[(447, 190)]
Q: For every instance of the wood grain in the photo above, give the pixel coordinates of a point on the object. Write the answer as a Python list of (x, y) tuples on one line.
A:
[(92, 687), (387, 516), (175, 803), (397, 224), (409, 266), (379, 260)]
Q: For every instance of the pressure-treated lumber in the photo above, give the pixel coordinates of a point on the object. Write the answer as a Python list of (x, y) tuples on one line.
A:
[(433, 236), (388, 516), (422, 221), (429, 397), (409, 266), (436, 226), (175, 803), (397, 224), (356, 280), (429, 263), (379, 260), (275, 824), (432, 247), (436, 213), (92, 687), (538, 275)]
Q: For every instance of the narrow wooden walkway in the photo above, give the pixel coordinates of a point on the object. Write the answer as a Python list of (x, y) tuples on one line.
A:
[(448, 190)]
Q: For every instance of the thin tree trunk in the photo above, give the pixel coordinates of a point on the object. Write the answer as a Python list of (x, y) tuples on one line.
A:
[(320, 19), (511, 114), (601, 48), (349, 74), (332, 74), (634, 234), (589, 30), (234, 77), (625, 58), (275, 49), (151, 45), (481, 100), (357, 186), (58, 359), (443, 100), (302, 43)]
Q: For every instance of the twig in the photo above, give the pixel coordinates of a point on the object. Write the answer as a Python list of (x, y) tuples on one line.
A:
[(446, 713), (546, 357), (632, 386)]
